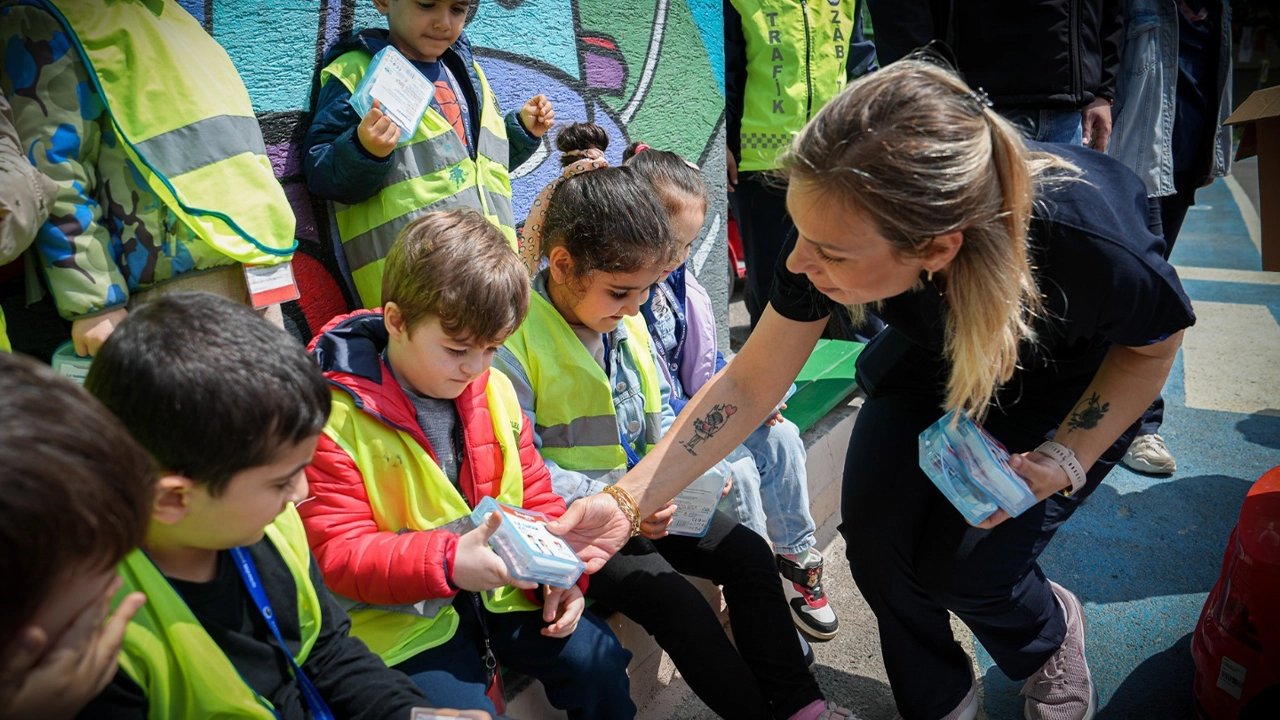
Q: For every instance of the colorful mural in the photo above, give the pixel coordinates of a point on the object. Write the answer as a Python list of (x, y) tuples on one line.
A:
[(645, 70)]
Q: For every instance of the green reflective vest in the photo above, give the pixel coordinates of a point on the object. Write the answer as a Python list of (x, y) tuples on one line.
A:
[(796, 55), (187, 126), (4, 335), (432, 171), (575, 417), (168, 653), (408, 491)]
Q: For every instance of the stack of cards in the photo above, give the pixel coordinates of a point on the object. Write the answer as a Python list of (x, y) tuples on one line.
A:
[(972, 469), (697, 503), (529, 550), (402, 92)]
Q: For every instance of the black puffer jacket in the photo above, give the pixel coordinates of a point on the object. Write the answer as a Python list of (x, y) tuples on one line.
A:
[(1024, 53)]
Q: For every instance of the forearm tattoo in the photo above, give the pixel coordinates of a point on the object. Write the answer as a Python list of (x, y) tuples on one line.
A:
[(1088, 417), (707, 426)]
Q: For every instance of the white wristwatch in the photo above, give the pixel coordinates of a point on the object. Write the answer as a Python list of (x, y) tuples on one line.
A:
[(1066, 459)]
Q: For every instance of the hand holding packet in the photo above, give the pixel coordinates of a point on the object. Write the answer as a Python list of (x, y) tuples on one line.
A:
[(530, 551), (403, 93), (697, 503), (971, 469)]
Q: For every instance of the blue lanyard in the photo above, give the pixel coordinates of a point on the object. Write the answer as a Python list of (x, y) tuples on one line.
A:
[(249, 573), (632, 457)]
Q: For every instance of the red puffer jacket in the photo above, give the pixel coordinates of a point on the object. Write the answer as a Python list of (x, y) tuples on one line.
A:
[(357, 559)]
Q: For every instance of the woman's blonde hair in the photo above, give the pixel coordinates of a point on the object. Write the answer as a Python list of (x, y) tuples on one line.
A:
[(922, 155)]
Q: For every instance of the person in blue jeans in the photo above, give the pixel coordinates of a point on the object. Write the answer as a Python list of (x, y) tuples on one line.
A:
[(769, 494)]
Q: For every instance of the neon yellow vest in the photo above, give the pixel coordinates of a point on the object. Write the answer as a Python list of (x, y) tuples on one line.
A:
[(408, 491), (172, 658), (4, 335), (796, 62), (574, 411), (433, 171), (186, 122)]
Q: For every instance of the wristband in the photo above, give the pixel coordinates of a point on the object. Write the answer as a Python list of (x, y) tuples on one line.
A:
[(1066, 459), (627, 504)]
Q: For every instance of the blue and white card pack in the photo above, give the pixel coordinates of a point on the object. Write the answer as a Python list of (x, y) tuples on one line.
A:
[(403, 93), (971, 469), (697, 503), (529, 550)]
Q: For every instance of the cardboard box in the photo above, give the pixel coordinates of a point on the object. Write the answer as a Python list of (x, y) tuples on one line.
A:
[(1260, 117)]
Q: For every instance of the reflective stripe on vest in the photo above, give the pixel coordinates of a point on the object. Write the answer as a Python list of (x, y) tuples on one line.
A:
[(796, 62), (433, 171), (575, 416), (179, 667), (407, 492), (186, 121)]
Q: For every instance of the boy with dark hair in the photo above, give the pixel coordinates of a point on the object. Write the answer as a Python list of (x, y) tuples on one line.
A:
[(237, 621), (75, 493), (421, 429)]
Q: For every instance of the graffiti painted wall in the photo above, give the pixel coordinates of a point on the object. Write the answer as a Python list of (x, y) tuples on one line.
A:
[(647, 70)]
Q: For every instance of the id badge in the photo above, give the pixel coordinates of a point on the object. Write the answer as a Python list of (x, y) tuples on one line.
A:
[(270, 284)]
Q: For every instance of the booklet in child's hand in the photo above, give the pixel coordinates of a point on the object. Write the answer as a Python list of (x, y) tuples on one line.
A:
[(402, 92)]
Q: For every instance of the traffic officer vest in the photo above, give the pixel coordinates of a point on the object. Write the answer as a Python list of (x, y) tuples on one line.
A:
[(432, 171), (168, 653), (407, 492), (185, 122), (576, 419), (796, 62)]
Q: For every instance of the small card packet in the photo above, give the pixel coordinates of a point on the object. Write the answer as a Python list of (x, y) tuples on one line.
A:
[(403, 92), (68, 364), (529, 550), (697, 503), (971, 469)]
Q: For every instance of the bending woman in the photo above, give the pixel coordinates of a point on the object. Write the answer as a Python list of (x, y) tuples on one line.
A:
[(1022, 285)]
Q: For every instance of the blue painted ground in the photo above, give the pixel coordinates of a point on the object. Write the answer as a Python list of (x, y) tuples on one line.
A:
[(1143, 552)]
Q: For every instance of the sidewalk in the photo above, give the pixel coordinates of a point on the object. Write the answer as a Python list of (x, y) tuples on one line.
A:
[(1143, 552)]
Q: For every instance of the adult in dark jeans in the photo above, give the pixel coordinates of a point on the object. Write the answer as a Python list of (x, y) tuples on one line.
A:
[(772, 88), (1174, 93), (1058, 328), (1048, 65)]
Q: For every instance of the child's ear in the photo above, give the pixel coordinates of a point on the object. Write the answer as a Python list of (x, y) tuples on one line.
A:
[(383, 6), (561, 265), (172, 499), (394, 321)]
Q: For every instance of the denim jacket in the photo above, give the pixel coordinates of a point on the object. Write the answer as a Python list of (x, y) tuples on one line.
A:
[(1146, 90)]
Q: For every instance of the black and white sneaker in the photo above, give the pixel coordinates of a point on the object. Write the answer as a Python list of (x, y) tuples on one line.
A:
[(810, 610)]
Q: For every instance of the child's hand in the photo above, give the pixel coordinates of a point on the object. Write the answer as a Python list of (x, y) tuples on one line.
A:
[(377, 133), (728, 484), (54, 682), (476, 567), (88, 334), (562, 607), (654, 527), (775, 418), (537, 115)]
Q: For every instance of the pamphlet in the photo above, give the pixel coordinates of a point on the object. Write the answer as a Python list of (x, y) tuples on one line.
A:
[(697, 503), (529, 550)]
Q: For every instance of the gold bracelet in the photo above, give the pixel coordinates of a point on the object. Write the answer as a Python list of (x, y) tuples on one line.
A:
[(627, 504)]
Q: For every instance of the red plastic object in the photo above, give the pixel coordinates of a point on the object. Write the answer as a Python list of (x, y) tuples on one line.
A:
[(1236, 645), (737, 261)]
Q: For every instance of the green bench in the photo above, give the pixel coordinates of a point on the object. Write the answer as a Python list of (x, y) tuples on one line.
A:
[(825, 381)]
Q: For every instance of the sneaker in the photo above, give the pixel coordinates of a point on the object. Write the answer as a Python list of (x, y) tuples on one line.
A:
[(823, 710), (803, 584), (1148, 454), (1063, 689)]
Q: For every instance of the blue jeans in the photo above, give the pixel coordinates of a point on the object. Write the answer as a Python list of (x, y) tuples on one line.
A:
[(584, 674), (1055, 126), (770, 491)]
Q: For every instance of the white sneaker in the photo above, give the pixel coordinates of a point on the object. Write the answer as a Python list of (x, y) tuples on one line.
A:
[(810, 610), (1148, 454), (1063, 689)]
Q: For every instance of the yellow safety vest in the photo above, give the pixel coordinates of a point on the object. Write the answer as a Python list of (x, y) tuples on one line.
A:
[(575, 416), (186, 122), (796, 62), (4, 335), (407, 492), (432, 171), (168, 653)]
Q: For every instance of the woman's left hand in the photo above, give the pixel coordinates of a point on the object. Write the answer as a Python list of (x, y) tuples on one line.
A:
[(1042, 474)]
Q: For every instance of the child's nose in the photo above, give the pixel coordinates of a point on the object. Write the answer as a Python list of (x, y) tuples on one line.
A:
[(301, 490)]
